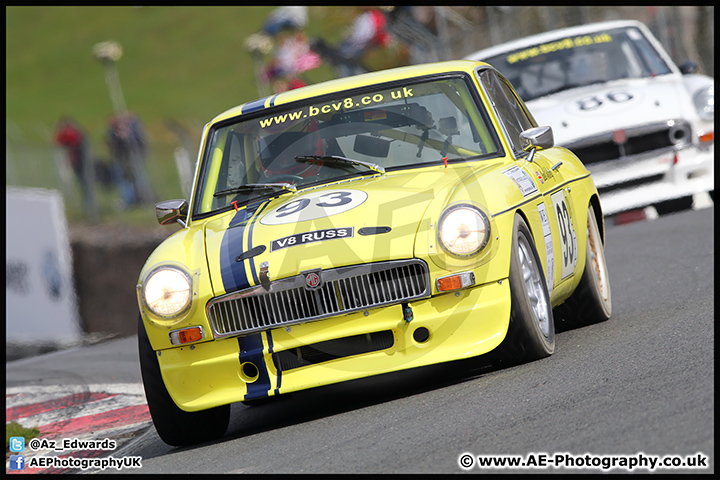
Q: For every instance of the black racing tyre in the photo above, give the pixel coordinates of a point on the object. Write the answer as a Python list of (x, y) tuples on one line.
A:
[(591, 302), (175, 426), (531, 334)]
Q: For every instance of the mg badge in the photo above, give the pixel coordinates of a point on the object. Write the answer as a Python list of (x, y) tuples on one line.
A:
[(264, 275), (313, 281)]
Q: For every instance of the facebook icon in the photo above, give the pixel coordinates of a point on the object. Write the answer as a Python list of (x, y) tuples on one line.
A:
[(17, 462)]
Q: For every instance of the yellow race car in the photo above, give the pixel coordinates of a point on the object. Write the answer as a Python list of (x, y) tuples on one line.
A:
[(361, 226)]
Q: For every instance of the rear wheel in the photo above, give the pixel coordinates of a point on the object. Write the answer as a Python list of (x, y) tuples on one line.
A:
[(531, 334), (175, 426), (592, 300)]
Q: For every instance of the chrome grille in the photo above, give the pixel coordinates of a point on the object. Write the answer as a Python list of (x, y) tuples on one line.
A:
[(343, 290)]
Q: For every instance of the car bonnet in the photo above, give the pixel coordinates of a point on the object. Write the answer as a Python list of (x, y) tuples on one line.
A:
[(588, 111), (347, 223)]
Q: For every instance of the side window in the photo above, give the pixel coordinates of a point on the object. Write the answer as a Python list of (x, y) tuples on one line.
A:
[(649, 56), (513, 114), (232, 170), (236, 171)]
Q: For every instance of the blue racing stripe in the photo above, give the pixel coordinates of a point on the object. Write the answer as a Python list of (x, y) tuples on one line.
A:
[(254, 106), (232, 272), (250, 245), (234, 276), (251, 350), (270, 351)]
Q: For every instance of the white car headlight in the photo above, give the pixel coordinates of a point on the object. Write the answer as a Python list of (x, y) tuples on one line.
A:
[(167, 291), (704, 100), (463, 230)]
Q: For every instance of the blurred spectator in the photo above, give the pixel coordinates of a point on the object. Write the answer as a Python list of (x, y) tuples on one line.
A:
[(69, 136), (293, 57), (284, 37), (286, 17), (368, 31), (126, 140)]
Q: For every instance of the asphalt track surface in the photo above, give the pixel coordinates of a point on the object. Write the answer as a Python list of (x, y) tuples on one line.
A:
[(638, 385)]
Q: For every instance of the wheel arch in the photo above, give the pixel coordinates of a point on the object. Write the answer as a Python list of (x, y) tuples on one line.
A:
[(597, 208), (525, 218)]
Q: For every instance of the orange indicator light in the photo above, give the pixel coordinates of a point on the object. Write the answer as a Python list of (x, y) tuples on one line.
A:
[(186, 335), (707, 137), (449, 283), (455, 282)]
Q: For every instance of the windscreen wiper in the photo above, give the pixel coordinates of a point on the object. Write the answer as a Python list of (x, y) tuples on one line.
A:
[(338, 159), (257, 186)]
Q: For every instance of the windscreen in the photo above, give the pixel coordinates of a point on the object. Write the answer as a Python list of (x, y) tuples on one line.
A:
[(571, 62), (305, 144)]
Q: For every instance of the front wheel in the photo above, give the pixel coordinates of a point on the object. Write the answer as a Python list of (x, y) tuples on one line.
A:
[(591, 302), (531, 334), (175, 426)]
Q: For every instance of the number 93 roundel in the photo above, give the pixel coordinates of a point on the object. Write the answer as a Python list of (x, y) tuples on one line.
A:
[(314, 206)]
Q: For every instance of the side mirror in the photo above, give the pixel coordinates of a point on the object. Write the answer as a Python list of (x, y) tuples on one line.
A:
[(171, 211), (537, 138), (687, 67)]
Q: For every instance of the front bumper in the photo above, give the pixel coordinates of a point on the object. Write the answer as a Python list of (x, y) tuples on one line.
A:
[(659, 179), (460, 325)]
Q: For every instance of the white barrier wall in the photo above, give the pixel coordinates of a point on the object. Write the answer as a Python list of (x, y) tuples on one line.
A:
[(41, 306)]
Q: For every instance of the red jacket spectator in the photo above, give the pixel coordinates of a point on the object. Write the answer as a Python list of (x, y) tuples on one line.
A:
[(69, 136)]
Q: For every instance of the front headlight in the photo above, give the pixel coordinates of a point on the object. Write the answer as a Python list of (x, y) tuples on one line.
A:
[(463, 230), (167, 291), (704, 100)]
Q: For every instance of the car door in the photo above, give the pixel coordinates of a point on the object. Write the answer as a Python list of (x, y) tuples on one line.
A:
[(555, 219)]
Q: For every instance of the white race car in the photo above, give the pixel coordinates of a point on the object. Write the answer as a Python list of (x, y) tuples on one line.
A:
[(643, 126)]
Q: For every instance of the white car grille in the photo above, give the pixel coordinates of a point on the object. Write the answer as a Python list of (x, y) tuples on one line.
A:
[(632, 142)]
